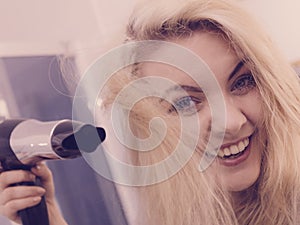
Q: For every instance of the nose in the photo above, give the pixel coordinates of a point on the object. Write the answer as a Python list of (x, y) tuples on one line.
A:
[(235, 117)]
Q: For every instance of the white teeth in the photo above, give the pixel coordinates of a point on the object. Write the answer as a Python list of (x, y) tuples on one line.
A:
[(226, 151), (241, 146), (246, 142), (234, 149), (221, 153)]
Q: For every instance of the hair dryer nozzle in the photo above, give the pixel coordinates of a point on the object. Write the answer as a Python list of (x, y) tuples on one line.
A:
[(86, 138)]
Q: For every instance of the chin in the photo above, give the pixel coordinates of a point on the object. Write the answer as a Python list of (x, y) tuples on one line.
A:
[(243, 176), (242, 181), (240, 187)]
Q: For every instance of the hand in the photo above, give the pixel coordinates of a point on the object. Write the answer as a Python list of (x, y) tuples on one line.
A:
[(15, 198)]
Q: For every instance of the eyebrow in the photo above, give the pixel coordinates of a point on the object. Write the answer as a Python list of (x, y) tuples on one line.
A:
[(198, 89), (236, 70), (186, 88)]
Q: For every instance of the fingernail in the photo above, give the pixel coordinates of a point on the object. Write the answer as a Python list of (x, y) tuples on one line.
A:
[(36, 199), (38, 166), (41, 191)]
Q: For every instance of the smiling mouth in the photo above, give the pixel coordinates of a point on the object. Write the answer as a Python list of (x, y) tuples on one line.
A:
[(234, 151)]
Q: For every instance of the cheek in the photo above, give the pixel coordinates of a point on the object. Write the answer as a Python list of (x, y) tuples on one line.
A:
[(204, 119), (251, 106)]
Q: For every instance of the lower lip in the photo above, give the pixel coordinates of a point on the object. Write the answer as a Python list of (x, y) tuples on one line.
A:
[(236, 161)]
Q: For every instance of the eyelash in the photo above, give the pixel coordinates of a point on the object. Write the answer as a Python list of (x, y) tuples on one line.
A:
[(180, 104), (243, 84)]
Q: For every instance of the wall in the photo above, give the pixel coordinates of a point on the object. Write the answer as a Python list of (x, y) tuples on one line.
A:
[(282, 21), (54, 25)]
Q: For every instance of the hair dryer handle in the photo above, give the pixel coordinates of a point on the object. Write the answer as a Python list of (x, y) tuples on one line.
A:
[(35, 215)]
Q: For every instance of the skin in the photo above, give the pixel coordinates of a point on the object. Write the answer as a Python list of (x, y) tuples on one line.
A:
[(13, 199), (242, 101)]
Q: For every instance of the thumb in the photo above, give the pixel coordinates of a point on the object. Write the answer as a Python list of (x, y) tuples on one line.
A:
[(45, 174)]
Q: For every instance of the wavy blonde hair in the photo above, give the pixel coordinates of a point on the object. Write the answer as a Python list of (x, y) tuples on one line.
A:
[(191, 197)]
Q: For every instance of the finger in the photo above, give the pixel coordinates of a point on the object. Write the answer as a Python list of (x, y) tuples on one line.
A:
[(19, 192), (11, 208), (44, 173), (15, 176)]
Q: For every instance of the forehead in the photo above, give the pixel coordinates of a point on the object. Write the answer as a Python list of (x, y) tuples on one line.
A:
[(210, 47)]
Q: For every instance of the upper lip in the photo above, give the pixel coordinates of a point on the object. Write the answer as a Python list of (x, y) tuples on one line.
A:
[(234, 142)]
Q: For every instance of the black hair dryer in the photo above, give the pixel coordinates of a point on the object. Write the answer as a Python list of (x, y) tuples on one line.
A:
[(23, 143)]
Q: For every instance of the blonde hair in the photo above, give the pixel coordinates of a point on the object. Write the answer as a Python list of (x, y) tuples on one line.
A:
[(190, 197)]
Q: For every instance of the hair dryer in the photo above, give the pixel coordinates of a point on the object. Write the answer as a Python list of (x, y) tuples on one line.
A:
[(23, 143)]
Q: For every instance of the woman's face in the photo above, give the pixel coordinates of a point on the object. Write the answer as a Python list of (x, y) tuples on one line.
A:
[(239, 157)]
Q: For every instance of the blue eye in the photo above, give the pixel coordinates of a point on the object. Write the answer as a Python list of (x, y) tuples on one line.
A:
[(186, 105), (243, 84)]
